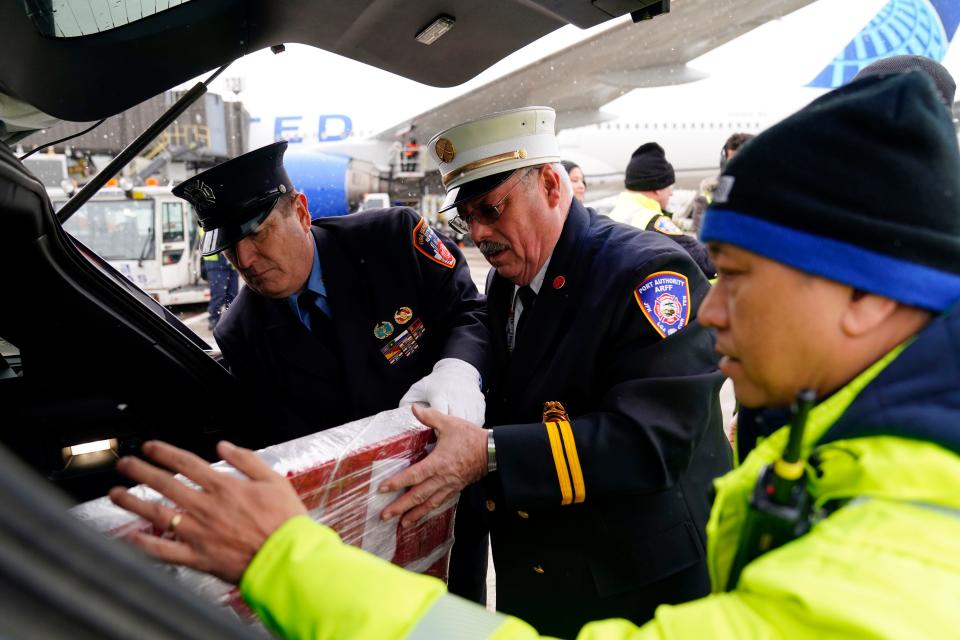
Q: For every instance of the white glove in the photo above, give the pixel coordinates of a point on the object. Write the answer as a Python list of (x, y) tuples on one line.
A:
[(453, 388)]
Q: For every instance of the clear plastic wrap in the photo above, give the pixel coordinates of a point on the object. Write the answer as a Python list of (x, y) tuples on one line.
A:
[(336, 473)]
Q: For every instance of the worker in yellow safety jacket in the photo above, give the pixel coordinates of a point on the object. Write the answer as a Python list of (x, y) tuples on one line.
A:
[(844, 523), (649, 180)]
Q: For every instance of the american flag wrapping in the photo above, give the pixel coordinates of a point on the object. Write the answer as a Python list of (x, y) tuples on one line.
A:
[(336, 473)]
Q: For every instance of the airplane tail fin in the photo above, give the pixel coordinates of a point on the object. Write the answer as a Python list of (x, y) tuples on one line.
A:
[(916, 27)]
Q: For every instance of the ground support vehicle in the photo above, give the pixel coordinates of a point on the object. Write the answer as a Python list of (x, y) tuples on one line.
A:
[(147, 234)]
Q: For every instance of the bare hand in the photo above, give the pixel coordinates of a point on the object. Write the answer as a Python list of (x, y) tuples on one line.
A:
[(223, 525), (459, 459)]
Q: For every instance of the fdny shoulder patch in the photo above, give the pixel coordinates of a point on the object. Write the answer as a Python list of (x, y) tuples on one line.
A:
[(664, 298), (663, 224), (427, 242)]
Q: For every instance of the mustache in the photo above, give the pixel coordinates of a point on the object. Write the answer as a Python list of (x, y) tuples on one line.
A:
[(488, 247)]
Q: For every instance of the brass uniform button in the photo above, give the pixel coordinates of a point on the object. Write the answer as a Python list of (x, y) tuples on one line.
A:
[(537, 568), (491, 505), (523, 514)]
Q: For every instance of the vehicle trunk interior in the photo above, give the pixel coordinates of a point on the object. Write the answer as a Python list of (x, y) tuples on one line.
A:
[(90, 358)]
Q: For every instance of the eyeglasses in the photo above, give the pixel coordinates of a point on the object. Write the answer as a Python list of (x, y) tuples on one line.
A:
[(484, 213)]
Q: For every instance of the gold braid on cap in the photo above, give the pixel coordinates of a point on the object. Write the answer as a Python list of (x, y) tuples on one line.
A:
[(519, 154)]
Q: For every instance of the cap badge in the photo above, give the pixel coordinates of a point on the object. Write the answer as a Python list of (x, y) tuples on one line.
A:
[(203, 196), (445, 150)]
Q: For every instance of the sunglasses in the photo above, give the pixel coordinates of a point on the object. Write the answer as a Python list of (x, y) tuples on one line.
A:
[(483, 213)]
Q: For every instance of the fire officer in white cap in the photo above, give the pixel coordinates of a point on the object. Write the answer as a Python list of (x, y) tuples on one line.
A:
[(600, 512)]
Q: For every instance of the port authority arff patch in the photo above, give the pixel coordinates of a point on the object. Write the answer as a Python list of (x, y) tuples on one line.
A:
[(664, 298), (663, 224), (427, 242)]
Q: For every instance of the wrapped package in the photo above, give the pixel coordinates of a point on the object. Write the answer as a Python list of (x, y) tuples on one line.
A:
[(336, 473)]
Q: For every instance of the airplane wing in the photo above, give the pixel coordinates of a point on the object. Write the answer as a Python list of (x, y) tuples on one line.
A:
[(578, 80)]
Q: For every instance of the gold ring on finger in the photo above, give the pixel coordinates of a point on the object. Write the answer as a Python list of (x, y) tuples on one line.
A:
[(175, 522)]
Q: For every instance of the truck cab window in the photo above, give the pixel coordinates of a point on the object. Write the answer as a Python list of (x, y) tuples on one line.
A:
[(115, 229), (172, 222)]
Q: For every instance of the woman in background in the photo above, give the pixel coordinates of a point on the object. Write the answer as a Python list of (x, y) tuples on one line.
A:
[(576, 178)]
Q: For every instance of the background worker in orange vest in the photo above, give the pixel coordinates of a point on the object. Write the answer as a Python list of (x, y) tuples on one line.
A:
[(411, 155)]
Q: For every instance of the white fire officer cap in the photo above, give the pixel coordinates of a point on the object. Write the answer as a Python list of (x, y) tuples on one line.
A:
[(477, 156)]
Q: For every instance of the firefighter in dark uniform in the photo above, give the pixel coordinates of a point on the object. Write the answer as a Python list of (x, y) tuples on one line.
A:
[(343, 318), (603, 512)]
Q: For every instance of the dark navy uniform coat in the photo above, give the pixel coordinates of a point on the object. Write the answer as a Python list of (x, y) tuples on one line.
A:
[(378, 267), (696, 249), (644, 443)]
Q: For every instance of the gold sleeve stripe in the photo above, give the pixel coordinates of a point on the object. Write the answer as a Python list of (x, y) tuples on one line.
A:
[(570, 446), (560, 461)]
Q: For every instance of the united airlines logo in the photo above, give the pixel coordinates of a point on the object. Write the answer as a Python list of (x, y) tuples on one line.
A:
[(916, 27)]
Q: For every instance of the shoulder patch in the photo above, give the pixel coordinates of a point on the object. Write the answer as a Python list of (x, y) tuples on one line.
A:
[(664, 298), (427, 242), (663, 224)]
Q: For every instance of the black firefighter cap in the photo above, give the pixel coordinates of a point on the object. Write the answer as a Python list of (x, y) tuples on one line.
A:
[(234, 197)]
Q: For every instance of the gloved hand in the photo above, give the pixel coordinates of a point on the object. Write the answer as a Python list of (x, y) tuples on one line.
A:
[(453, 388)]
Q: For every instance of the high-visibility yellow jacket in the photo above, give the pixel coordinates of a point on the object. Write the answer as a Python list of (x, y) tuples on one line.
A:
[(217, 257), (883, 457), (635, 209), (643, 212)]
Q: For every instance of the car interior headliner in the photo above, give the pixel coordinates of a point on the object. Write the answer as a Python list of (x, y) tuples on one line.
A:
[(88, 77)]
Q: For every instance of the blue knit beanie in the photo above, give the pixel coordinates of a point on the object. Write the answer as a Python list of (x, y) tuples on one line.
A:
[(862, 187)]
